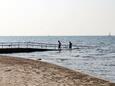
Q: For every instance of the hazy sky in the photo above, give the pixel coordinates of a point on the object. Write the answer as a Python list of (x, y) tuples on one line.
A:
[(57, 17)]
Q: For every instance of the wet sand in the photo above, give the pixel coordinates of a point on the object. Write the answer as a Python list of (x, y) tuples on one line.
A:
[(26, 72)]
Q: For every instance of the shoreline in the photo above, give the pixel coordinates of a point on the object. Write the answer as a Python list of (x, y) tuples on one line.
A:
[(27, 72)]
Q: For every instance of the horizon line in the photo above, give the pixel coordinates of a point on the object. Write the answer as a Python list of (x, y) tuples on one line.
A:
[(56, 35)]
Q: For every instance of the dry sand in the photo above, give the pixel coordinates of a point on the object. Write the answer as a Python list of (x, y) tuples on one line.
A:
[(26, 72)]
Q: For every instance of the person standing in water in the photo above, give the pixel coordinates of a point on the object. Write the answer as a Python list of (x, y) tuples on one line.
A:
[(59, 45), (70, 45)]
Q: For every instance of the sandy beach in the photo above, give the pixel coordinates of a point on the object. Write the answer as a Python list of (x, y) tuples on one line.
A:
[(26, 72)]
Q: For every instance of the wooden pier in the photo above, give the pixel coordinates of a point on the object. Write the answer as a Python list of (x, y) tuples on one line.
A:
[(18, 47)]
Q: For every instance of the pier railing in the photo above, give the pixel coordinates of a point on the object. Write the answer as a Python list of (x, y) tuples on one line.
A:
[(38, 45), (30, 45)]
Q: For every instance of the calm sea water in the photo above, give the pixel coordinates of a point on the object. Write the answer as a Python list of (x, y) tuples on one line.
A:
[(98, 60)]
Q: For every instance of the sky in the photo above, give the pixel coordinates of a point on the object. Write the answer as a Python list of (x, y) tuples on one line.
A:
[(56, 17)]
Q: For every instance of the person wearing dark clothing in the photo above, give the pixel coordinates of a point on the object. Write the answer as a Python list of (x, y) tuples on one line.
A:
[(59, 44), (70, 45)]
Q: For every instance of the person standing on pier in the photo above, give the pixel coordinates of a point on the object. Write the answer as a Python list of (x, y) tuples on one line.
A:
[(59, 45), (70, 45)]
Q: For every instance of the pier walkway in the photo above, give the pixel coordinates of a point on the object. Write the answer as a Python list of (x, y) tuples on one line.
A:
[(17, 47), (14, 47)]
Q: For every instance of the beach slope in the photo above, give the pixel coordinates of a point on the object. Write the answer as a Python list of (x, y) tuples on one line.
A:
[(26, 72)]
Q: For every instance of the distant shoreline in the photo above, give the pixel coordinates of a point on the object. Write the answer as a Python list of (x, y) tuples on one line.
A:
[(19, 72)]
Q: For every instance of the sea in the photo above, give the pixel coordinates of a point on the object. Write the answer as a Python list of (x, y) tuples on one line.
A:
[(96, 56)]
